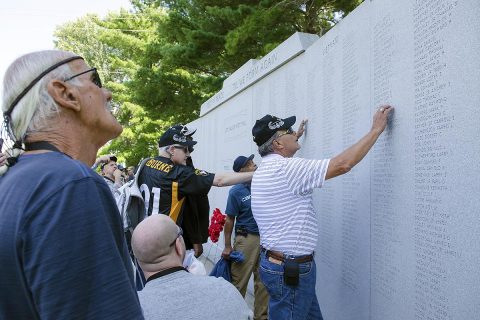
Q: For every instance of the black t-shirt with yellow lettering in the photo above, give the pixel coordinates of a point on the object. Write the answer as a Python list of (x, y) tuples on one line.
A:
[(164, 186)]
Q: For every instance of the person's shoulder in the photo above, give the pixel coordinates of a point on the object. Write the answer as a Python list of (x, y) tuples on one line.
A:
[(203, 291), (190, 171), (217, 283), (301, 161), (272, 160), (239, 188), (108, 180), (54, 175), (184, 169), (236, 188), (59, 167), (157, 166), (162, 159), (174, 282), (181, 279), (158, 162), (230, 294)]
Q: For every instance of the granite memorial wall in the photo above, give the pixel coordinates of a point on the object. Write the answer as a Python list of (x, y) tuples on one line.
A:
[(400, 234)]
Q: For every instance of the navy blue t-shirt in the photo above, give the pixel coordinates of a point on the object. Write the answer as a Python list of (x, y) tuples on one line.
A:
[(238, 205), (62, 250)]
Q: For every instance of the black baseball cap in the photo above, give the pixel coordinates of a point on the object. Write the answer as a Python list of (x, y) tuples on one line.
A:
[(240, 162), (175, 136), (266, 127)]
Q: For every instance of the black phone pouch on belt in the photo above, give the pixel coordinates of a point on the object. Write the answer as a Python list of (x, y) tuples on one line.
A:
[(291, 273)]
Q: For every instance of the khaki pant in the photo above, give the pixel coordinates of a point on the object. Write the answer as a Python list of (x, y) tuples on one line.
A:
[(241, 272)]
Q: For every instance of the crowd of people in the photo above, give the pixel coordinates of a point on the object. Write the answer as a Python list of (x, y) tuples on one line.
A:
[(65, 251)]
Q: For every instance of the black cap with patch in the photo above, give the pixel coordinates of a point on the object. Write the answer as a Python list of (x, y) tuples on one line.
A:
[(266, 127), (174, 136), (184, 130)]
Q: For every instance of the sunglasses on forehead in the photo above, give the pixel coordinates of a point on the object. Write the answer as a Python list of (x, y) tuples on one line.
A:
[(95, 76)]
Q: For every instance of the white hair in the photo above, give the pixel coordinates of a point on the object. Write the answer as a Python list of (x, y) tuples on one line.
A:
[(163, 151), (34, 110), (267, 147), (164, 148)]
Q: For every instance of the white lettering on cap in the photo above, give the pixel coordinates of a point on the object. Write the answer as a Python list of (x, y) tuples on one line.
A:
[(178, 138), (272, 125)]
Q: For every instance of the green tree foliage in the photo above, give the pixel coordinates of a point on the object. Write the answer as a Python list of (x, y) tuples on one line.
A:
[(164, 58), (204, 41), (116, 45)]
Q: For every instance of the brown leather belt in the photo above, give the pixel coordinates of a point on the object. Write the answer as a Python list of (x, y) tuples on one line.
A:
[(279, 256)]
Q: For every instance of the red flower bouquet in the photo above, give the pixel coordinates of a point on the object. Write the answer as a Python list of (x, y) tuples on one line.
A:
[(216, 225)]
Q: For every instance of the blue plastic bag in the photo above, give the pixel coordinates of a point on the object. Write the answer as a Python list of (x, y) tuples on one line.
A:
[(222, 267)]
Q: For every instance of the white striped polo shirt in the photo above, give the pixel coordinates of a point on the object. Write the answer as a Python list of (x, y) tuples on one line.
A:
[(282, 203)]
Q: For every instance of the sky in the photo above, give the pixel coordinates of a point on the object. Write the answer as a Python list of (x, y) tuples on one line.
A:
[(28, 25)]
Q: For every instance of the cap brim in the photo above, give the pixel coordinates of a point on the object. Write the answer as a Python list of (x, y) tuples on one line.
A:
[(288, 122), (190, 132), (246, 160), (188, 143)]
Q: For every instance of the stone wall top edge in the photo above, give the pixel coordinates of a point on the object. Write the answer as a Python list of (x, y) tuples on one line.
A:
[(254, 70)]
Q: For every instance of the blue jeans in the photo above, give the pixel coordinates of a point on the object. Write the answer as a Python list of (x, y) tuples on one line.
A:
[(290, 303)]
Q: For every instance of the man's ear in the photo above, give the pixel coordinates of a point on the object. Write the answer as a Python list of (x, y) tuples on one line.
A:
[(180, 247), (64, 95), (277, 144), (170, 150)]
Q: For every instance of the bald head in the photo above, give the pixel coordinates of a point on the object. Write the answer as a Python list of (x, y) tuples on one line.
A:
[(152, 243)]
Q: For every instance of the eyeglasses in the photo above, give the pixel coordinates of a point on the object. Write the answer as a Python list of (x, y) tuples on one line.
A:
[(184, 148), (289, 131), (95, 77), (179, 234)]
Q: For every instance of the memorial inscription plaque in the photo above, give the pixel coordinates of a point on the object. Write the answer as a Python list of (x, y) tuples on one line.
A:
[(399, 236)]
